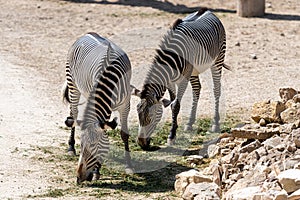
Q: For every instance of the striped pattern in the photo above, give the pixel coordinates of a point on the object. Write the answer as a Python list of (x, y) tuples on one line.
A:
[(101, 72), (193, 45)]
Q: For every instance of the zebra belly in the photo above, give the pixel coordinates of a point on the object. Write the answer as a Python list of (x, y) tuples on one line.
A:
[(198, 69)]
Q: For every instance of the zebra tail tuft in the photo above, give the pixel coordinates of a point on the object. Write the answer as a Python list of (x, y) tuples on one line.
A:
[(65, 93)]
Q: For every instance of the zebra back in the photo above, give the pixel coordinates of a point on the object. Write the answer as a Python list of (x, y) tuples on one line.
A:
[(111, 89), (197, 40)]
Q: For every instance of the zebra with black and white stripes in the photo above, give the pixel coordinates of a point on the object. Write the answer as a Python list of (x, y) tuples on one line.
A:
[(190, 47), (101, 72)]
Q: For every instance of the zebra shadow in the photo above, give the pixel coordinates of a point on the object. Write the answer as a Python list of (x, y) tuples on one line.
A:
[(161, 180)]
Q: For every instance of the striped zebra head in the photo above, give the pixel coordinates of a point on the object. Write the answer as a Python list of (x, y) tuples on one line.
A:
[(149, 111), (94, 148)]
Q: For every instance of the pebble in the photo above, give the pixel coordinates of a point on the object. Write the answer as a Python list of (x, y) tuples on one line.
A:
[(253, 56)]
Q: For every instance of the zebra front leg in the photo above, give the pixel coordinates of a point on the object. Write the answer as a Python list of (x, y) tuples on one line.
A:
[(175, 106), (125, 136), (196, 87), (127, 157)]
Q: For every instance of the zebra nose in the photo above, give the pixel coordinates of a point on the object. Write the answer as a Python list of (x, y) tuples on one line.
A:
[(78, 181), (144, 143)]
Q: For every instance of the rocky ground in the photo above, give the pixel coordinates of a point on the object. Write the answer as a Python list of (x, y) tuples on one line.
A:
[(36, 35), (256, 161)]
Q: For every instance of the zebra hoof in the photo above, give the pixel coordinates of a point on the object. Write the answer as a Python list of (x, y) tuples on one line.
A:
[(188, 128), (96, 176), (171, 142), (129, 170), (71, 153)]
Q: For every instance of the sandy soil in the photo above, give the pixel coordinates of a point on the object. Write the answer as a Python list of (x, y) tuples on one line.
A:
[(36, 35)]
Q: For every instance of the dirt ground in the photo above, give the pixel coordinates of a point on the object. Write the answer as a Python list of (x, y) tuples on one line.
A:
[(36, 34)]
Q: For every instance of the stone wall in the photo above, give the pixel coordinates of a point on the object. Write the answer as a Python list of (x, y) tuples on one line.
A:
[(260, 160)]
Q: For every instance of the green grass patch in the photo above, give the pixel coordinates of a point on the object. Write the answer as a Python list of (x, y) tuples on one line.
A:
[(156, 170)]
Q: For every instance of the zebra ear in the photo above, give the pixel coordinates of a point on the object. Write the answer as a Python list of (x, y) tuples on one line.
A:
[(113, 124), (166, 102), (135, 91), (106, 125)]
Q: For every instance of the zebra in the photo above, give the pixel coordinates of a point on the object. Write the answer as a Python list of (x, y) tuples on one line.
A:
[(100, 71), (190, 47)]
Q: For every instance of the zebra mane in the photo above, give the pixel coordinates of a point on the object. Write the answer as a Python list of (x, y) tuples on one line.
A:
[(95, 141)]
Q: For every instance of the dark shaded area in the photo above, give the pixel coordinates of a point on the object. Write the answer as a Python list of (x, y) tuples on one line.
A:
[(286, 17), (163, 6), (157, 181), (180, 8)]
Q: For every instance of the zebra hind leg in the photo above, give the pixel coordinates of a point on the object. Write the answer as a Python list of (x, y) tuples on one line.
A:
[(74, 95), (196, 87), (216, 72), (70, 123)]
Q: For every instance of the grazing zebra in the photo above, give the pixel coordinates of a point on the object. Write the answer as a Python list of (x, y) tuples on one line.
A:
[(101, 72), (190, 47)]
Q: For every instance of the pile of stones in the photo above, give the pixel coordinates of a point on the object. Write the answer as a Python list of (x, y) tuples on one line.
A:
[(260, 160)]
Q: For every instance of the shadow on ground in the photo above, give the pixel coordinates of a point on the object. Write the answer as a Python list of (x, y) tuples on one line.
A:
[(160, 5), (161, 180)]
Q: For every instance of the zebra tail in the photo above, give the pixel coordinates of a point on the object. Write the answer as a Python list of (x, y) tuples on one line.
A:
[(227, 67), (65, 93)]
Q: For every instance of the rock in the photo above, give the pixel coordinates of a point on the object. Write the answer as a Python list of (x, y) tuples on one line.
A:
[(250, 147), (192, 176), (225, 152), (230, 158), (260, 133), (213, 150), (225, 170), (287, 93), (290, 115), (195, 159), (290, 180), (253, 56), (243, 193), (262, 122), (287, 128), (296, 137), (282, 195), (273, 125), (215, 170), (230, 145), (296, 98), (262, 195), (295, 195), (272, 142), (236, 177), (197, 191), (267, 110)]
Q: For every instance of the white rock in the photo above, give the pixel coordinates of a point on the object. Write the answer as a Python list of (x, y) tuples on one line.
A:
[(290, 180), (282, 195), (185, 178), (243, 194), (202, 191), (212, 150), (195, 159), (295, 195)]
